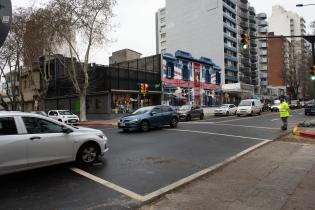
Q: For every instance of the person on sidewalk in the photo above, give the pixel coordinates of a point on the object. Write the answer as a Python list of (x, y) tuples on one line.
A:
[(284, 111)]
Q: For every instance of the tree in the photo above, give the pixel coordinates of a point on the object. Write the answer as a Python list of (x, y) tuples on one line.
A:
[(88, 21)]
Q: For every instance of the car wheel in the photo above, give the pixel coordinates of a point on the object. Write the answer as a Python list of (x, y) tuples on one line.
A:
[(259, 113), (227, 113), (174, 122), (88, 154), (188, 118), (235, 113), (252, 113), (238, 115), (202, 116), (145, 126)]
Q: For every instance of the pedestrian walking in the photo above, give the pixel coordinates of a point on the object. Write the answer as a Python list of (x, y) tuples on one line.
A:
[(284, 111)]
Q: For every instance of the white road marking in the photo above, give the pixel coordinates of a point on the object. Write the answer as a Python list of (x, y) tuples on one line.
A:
[(245, 126), (220, 134), (109, 184), (274, 119)]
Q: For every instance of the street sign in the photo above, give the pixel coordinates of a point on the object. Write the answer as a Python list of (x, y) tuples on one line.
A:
[(5, 19)]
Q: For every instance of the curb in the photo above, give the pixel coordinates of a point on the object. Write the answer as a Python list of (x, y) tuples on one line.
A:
[(297, 132)]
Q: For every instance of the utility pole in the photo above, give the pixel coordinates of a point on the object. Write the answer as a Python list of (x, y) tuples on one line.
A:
[(5, 19)]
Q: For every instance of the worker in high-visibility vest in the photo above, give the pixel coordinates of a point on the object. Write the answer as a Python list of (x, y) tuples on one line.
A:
[(284, 111)]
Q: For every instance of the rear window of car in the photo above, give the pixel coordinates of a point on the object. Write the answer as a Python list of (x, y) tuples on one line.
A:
[(7, 126)]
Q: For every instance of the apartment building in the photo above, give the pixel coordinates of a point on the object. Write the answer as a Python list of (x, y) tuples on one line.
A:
[(160, 18), (288, 23), (262, 54)]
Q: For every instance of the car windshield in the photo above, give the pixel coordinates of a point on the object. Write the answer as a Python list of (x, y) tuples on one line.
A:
[(245, 103), (65, 113), (224, 106), (142, 110), (185, 108)]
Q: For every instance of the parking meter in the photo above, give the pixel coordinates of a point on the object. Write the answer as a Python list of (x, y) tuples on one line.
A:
[(5, 19)]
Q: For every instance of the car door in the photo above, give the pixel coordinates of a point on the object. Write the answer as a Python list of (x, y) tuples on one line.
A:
[(232, 109), (156, 118), (12, 146), (167, 114), (47, 143)]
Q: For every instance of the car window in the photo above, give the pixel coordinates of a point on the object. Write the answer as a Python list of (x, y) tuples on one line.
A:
[(231, 106), (37, 125), (157, 109), (52, 113), (7, 126), (167, 109), (65, 112)]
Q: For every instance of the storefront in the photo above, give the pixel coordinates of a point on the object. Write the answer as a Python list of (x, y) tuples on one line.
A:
[(187, 80)]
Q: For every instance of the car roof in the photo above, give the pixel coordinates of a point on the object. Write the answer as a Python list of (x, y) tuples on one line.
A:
[(16, 113)]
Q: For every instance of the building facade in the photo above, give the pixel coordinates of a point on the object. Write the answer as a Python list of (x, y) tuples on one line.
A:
[(287, 23), (187, 80), (263, 54), (160, 18)]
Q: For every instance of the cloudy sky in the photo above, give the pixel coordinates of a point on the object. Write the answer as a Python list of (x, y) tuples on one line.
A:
[(135, 20)]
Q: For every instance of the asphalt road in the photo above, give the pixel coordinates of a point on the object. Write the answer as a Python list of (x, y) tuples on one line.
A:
[(141, 166)]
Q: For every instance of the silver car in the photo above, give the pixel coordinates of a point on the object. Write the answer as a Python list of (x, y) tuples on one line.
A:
[(225, 109), (30, 141)]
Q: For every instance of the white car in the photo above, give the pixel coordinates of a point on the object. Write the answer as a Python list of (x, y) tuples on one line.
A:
[(249, 107), (30, 141), (64, 116), (225, 109)]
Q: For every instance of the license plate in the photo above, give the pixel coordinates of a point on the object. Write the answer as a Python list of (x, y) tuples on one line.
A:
[(73, 121)]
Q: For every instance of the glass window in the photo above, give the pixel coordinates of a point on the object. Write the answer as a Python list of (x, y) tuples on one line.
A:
[(7, 126), (157, 109), (36, 125), (66, 112), (53, 113), (167, 109)]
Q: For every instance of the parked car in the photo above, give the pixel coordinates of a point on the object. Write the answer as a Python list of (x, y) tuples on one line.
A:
[(188, 112), (275, 106), (309, 109), (295, 104), (249, 107), (40, 113), (147, 117), (226, 109), (30, 141), (64, 116)]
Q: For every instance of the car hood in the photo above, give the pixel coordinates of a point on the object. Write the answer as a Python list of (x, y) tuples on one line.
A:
[(87, 130), (132, 117)]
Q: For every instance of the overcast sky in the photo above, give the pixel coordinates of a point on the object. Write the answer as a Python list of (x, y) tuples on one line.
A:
[(135, 20)]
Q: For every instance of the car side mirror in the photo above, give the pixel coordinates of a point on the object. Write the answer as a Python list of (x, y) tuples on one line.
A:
[(66, 130), (153, 113)]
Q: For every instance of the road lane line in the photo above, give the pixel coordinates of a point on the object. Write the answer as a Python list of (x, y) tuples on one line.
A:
[(109, 184), (197, 175), (274, 119), (220, 134), (245, 126)]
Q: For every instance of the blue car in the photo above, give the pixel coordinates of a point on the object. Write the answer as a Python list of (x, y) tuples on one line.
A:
[(148, 117)]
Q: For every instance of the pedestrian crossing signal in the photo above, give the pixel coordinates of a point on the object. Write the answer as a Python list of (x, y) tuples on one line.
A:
[(312, 72)]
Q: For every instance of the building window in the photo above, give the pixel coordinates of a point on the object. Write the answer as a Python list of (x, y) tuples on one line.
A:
[(207, 76), (185, 71), (170, 70), (163, 36), (162, 19)]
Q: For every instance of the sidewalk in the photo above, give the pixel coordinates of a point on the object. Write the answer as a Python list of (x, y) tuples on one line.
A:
[(280, 175)]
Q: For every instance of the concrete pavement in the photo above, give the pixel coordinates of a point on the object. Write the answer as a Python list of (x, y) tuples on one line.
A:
[(280, 175)]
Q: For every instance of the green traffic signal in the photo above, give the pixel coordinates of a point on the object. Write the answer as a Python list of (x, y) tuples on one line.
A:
[(244, 40)]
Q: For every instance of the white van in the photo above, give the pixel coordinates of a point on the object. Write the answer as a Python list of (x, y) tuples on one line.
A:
[(249, 107)]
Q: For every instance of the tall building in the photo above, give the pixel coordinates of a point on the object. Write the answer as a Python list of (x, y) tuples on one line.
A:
[(262, 54), (279, 51), (160, 18), (287, 23), (212, 29)]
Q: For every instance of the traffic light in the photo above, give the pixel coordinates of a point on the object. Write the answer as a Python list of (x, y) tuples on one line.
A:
[(146, 89), (244, 40), (312, 72), (142, 88)]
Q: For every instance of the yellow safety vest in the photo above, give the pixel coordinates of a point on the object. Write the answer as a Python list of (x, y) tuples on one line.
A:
[(284, 109)]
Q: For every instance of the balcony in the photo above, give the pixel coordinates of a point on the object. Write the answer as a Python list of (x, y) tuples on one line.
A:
[(263, 75), (233, 49), (262, 16), (231, 19), (254, 66), (242, 14), (253, 51), (263, 68), (231, 78), (262, 23), (263, 83), (252, 26), (254, 58), (227, 26), (263, 60), (231, 58), (231, 38), (231, 68), (263, 45), (243, 24), (263, 53), (229, 7), (243, 6), (263, 30)]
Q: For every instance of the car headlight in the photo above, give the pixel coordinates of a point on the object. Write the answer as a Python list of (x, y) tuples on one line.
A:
[(134, 120)]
